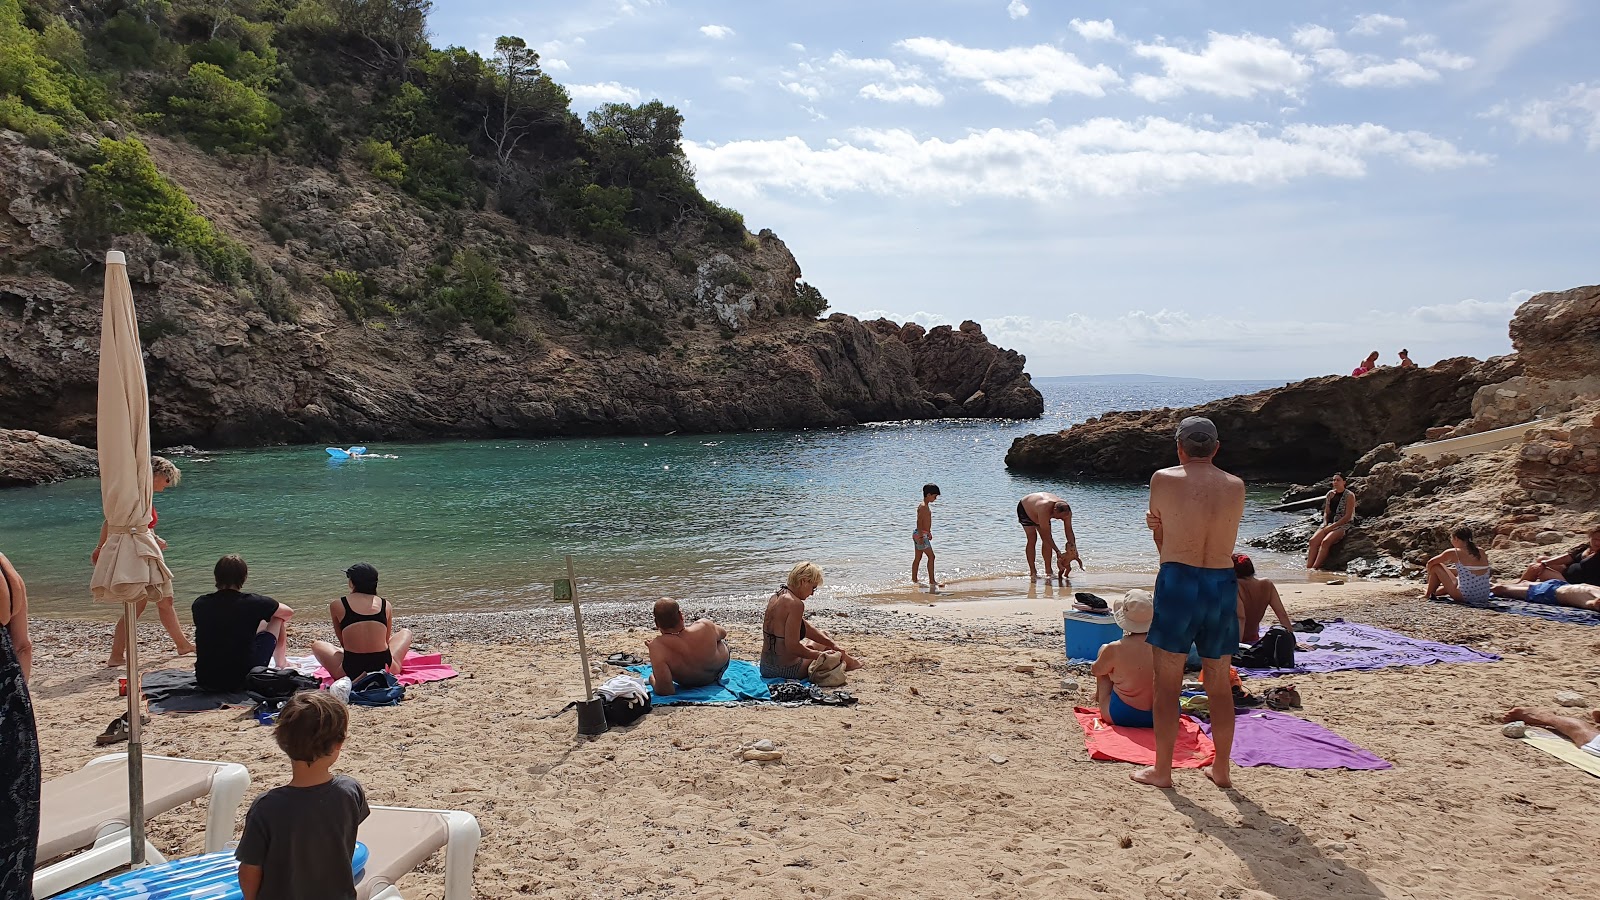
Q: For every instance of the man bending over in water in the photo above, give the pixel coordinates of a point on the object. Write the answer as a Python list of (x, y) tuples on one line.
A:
[(1583, 732), (691, 655), (1551, 593), (1195, 509), (1034, 513)]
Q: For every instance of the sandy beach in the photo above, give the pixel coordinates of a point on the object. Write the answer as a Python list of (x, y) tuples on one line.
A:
[(960, 773)]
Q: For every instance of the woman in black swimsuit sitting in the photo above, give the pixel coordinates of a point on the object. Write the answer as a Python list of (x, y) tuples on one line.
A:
[(364, 623), (788, 644)]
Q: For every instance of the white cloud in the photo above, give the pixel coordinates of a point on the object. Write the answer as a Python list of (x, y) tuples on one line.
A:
[(1100, 157), (1376, 23), (920, 94), (1023, 75), (716, 32), (1095, 29), (1470, 312), (1444, 59), (803, 90), (1017, 9), (1573, 111), (1313, 37), (1398, 73), (1229, 66), (799, 48), (877, 67), (604, 92), (736, 82)]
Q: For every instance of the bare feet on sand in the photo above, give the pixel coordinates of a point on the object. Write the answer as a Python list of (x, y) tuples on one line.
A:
[(186, 650), (1147, 775), (1515, 714), (1221, 779)]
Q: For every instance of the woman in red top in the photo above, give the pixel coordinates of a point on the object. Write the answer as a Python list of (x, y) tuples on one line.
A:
[(163, 475)]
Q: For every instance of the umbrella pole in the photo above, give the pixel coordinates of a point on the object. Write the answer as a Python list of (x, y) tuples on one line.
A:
[(136, 838)]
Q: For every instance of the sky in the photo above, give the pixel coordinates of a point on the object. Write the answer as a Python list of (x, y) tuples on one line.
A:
[(1245, 190)]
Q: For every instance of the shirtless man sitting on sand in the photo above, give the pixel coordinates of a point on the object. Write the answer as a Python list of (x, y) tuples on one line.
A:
[(1194, 516), (1034, 513), (1585, 733), (691, 655), (1551, 593)]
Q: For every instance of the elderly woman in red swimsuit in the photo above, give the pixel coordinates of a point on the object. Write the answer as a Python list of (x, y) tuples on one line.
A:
[(364, 623)]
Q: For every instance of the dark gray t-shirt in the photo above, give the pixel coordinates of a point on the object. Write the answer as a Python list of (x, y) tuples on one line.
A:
[(303, 837)]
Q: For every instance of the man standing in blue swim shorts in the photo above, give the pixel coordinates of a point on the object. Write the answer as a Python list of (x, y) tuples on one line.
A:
[(1195, 509)]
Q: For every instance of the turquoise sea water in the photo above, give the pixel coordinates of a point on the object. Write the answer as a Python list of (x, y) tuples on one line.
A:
[(474, 525)]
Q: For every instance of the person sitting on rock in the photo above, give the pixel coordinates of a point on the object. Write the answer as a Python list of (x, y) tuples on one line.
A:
[(1585, 732), (1405, 360), (1338, 509), (1580, 565), (1367, 365), (689, 655), (1460, 573), (1551, 593), (1256, 596), (1125, 670)]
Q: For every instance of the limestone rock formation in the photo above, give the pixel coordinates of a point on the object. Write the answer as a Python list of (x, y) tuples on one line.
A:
[(1299, 432), (30, 458), (688, 337)]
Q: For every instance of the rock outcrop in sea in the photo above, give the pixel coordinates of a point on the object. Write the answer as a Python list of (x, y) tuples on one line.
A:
[(30, 458), (1299, 432), (1534, 498)]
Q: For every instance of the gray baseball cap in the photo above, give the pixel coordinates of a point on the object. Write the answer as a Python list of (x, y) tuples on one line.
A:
[(1197, 434)]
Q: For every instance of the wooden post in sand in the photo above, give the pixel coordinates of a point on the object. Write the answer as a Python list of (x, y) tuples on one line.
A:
[(591, 710)]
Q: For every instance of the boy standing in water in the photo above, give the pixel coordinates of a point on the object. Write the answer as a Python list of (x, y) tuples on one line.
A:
[(922, 538)]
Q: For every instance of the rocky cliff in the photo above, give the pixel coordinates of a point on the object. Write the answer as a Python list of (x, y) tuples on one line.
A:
[(1522, 501), (687, 335), (1299, 432), (29, 458)]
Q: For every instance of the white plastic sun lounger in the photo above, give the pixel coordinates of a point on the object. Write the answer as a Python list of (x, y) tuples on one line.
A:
[(400, 839), (88, 811)]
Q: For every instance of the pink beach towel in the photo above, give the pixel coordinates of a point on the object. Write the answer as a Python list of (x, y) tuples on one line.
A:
[(418, 669), (1138, 745)]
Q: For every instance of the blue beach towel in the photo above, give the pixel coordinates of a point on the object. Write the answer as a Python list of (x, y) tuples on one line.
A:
[(1568, 614), (741, 683)]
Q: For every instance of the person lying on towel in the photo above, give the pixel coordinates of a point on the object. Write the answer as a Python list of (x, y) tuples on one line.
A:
[(689, 655), (1125, 669), (1584, 732), (1551, 593)]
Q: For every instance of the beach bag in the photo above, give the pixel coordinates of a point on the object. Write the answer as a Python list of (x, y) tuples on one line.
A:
[(269, 683), (376, 689), (626, 700), (1275, 650), (827, 670)]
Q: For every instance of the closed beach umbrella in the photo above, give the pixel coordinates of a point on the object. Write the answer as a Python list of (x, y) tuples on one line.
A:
[(130, 567)]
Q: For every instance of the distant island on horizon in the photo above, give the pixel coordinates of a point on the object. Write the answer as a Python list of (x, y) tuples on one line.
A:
[(1132, 378)]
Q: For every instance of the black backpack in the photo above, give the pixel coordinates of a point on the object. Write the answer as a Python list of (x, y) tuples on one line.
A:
[(1275, 650), (268, 683), (625, 709)]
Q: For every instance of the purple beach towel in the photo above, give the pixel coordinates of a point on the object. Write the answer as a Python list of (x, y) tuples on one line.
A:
[(1263, 737), (1346, 646)]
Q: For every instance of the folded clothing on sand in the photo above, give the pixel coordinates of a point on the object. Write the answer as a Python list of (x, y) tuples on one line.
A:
[(1342, 646), (1268, 738), (1120, 743), (741, 682)]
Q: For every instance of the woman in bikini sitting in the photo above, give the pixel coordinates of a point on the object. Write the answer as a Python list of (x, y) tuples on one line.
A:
[(1460, 573), (364, 623), (788, 644), (1337, 510)]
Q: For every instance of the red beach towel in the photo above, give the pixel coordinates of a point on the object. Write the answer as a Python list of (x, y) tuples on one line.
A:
[(1138, 745)]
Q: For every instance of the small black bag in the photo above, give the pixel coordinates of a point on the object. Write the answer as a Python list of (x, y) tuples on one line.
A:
[(1275, 650), (625, 709), (268, 683)]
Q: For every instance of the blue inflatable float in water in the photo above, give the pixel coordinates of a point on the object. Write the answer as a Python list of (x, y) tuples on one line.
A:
[(336, 453), (210, 876)]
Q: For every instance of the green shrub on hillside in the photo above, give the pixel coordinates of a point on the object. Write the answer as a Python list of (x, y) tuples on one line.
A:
[(124, 194), (440, 173), (357, 295), (472, 291), (600, 214), (219, 113), (808, 301), (46, 87), (383, 160)]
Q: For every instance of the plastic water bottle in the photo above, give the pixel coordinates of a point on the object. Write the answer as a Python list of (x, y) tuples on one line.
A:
[(341, 689)]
